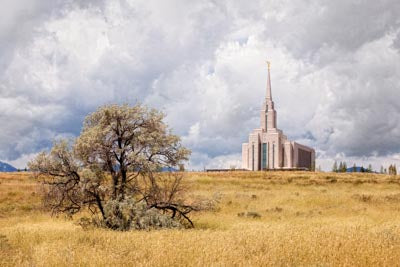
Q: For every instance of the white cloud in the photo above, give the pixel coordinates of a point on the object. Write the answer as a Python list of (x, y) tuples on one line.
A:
[(335, 72)]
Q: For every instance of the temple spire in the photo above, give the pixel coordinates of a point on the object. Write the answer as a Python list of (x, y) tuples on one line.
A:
[(269, 94), (268, 113)]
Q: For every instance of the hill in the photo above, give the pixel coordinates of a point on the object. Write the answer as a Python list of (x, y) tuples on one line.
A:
[(262, 218), (5, 167)]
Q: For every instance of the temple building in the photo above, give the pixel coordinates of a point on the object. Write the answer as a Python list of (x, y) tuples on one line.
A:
[(268, 148)]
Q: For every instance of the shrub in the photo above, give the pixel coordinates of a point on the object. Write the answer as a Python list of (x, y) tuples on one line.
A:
[(129, 214), (249, 214), (111, 169)]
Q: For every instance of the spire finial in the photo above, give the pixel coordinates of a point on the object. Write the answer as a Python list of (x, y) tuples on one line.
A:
[(269, 65)]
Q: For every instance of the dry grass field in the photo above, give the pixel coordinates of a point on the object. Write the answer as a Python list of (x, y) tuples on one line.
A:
[(262, 219)]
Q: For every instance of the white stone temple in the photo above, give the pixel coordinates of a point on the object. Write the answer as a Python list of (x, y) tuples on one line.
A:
[(268, 148)]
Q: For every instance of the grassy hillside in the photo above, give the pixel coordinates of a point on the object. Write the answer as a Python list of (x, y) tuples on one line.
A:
[(277, 218)]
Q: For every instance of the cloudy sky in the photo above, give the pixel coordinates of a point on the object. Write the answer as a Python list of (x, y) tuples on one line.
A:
[(335, 72)]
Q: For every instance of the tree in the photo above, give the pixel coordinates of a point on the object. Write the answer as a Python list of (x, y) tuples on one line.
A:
[(392, 169), (111, 169), (344, 167), (340, 167), (382, 170), (354, 168), (335, 167)]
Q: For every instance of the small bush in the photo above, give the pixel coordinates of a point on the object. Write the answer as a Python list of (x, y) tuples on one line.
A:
[(363, 197), (128, 215), (86, 223), (249, 214), (358, 182), (253, 214), (392, 198), (4, 244), (276, 209)]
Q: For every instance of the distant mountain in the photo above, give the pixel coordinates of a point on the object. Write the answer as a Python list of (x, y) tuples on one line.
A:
[(168, 169), (357, 169), (4, 167)]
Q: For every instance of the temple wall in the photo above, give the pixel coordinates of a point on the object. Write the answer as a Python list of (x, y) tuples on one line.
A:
[(288, 155), (304, 156), (271, 119), (280, 153), (263, 121), (254, 155), (245, 156)]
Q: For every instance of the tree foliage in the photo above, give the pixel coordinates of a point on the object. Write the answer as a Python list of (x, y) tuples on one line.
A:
[(341, 168), (111, 169), (392, 169)]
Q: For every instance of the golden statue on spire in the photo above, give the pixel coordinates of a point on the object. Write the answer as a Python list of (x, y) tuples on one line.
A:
[(269, 65)]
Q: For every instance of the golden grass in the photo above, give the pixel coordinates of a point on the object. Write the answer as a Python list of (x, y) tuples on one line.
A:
[(306, 219)]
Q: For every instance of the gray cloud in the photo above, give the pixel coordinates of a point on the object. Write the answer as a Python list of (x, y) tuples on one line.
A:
[(335, 72)]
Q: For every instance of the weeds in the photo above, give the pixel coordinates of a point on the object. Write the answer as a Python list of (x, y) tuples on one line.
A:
[(249, 214), (363, 197), (308, 222)]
